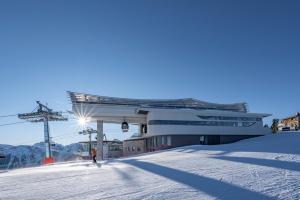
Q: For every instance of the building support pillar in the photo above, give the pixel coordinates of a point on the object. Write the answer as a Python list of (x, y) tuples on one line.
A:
[(140, 129), (99, 140), (90, 145)]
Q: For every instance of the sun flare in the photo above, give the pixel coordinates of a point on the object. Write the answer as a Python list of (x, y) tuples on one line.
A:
[(83, 121)]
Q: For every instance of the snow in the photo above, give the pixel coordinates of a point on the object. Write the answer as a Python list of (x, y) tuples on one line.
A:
[(266, 167), (26, 156)]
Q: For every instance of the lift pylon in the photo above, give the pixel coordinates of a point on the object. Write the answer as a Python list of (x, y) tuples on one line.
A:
[(44, 114), (89, 131)]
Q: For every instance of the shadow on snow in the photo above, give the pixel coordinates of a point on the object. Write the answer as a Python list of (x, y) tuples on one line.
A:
[(218, 189), (263, 162)]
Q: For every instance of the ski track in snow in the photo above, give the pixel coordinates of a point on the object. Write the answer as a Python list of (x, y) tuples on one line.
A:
[(260, 168)]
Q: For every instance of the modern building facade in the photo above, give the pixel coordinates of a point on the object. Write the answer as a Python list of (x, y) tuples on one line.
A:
[(172, 123)]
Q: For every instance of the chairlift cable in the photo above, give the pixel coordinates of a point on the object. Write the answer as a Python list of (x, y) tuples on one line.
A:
[(8, 115), (8, 124)]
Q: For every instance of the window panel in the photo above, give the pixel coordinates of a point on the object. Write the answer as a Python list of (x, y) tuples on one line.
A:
[(225, 118), (199, 123)]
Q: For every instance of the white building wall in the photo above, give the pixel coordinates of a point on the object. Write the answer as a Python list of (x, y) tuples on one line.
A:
[(192, 115), (119, 113)]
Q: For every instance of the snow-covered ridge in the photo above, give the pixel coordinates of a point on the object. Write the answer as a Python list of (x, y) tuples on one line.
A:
[(266, 167), (26, 155)]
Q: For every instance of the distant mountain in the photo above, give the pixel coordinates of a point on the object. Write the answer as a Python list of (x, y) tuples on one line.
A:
[(26, 155)]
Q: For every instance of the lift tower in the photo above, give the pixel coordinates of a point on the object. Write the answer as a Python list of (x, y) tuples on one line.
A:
[(89, 131), (44, 114)]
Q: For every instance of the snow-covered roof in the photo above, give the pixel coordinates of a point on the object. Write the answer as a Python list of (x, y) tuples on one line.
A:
[(187, 103), (293, 116)]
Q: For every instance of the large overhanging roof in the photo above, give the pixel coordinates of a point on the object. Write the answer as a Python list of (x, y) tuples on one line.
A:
[(188, 103)]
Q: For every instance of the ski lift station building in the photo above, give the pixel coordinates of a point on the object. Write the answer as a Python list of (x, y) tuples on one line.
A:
[(167, 123)]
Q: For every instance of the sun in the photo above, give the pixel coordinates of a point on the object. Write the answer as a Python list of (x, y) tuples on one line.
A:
[(83, 121)]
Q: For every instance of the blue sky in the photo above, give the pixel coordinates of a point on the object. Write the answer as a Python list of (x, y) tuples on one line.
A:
[(218, 51)]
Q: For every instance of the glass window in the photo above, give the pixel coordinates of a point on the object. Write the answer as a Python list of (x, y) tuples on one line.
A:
[(201, 138), (163, 142), (197, 123), (230, 118), (169, 140)]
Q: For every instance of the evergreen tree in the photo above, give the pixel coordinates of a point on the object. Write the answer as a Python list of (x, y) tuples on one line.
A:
[(274, 126)]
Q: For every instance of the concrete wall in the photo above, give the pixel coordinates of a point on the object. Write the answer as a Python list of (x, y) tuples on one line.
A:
[(155, 143), (134, 147), (225, 139)]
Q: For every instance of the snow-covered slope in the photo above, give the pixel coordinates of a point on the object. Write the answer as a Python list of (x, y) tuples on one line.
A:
[(261, 168), (25, 155)]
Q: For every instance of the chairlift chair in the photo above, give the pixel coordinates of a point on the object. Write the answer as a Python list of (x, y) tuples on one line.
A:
[(125, 127)]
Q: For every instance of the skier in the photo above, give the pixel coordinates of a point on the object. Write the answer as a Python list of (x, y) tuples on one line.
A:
[(94, 154)]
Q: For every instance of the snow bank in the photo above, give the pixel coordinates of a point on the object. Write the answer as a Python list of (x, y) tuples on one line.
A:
[(261, 168)]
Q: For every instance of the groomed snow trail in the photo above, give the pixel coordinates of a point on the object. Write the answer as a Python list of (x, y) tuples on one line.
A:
[(261, 168)]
